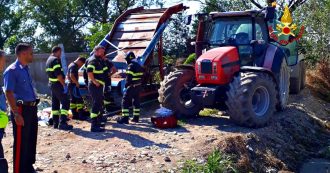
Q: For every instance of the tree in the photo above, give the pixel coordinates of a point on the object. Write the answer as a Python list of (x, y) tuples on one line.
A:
[(314, 15), (10, 20), (97, 33), (62, 21)]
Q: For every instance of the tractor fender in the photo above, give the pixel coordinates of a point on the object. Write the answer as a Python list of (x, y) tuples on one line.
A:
[(258, 69), (185, 67), (273, 58)]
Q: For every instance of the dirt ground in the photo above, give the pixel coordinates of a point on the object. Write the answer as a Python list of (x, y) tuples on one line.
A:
[(294, 136)]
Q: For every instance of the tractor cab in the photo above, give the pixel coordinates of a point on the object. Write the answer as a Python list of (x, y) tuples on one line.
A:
[(247, 31)]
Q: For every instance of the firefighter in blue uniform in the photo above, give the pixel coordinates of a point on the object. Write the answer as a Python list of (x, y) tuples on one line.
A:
[(96, 83), (76, 101), (23, 105), (3, 116), (133, 88), (59, 90), (109, 70)]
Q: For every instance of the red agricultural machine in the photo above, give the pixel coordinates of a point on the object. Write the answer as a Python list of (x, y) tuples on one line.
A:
[(240, 68)]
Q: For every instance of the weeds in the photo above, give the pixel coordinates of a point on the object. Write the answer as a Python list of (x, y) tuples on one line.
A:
[(217, 162), (319, 79), (208, 112)]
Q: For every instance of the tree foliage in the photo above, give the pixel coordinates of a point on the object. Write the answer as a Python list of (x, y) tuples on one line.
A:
[(314, 15), (10, 20)]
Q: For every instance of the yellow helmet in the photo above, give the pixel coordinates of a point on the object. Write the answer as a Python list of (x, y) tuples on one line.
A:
[(3, 120)]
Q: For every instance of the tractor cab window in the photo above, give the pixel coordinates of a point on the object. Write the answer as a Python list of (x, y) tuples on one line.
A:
[(233, 31)]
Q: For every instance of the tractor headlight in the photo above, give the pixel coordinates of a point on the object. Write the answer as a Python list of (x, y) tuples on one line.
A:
[(214, 67)]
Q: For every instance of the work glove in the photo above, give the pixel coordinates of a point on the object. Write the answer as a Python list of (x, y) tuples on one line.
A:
[(3, 106), (65, 89)]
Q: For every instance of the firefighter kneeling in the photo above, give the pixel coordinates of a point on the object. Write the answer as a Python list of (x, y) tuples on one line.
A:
[(133, 88)]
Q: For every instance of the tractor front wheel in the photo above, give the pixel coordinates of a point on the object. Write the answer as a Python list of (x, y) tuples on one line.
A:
[(252, 99), (174, 93)]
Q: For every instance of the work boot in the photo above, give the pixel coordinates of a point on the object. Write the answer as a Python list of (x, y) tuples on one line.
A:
[(102, 120), (64, 124), (75, 114), (123, 120), (56, 120), (82, 116), (136, 119), (95, 127)]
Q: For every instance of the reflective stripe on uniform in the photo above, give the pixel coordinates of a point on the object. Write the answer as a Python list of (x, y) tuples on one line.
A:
[(91, 66), (54, 68), (101, 82), (95, 71), (55, 112), (106, 102), (125, 112), (134, 79), (64, 112), (136, 112), (80, 106), (72, 105), (93, 115), (53, 79), (134, 74), (105, 68)]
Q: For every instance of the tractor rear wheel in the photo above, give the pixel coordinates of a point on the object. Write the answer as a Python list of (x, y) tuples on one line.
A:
[(174, 93), (252, 99), (283, 86)]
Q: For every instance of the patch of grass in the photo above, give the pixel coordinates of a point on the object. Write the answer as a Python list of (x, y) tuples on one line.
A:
[(217, 162), (182, 122), (208, 112)]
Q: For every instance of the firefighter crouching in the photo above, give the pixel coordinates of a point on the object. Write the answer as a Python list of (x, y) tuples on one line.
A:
[(109, 70), (59, 90), (96, 86), (76, 101), (133, 88)]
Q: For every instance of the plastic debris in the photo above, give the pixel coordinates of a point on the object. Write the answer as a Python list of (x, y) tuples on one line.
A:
[(163, 112)]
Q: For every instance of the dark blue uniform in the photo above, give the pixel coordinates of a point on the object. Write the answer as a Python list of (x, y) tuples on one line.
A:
[(107, 90), (76, 101), (59, 96), (18, 80), (95, 66)]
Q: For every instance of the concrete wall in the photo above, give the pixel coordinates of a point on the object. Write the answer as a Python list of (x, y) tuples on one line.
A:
[(37, 69)]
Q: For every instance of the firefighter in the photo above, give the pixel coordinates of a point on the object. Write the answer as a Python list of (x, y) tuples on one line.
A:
[(76, 101), (23, 103), (59, 90), (109, 70), (96, 85), (133, 88), (3, 116)]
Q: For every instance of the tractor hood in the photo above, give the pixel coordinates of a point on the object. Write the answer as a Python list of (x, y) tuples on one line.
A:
[(216, 54), (217, 66)]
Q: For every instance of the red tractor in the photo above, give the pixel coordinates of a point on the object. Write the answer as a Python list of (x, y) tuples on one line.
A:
[(240, 69)]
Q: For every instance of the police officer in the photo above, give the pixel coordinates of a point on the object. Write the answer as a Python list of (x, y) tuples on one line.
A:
[(109, 70), (133, 87), (58, 89), (3, 116), (76, 101), (96, 85), (23, 104)]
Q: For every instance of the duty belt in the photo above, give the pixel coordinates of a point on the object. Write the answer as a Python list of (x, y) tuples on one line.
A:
[(25, 103)]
